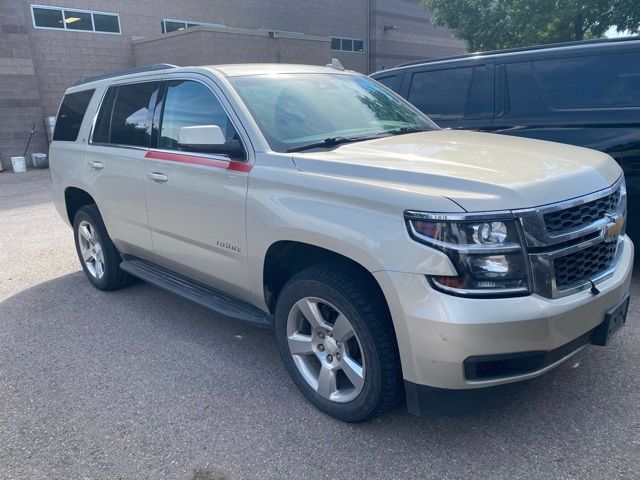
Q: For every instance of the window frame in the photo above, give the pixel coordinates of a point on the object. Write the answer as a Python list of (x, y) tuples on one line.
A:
[(163, 24), (150, 114), (157, 127), (353, 40), (64, 28), (245, 140)]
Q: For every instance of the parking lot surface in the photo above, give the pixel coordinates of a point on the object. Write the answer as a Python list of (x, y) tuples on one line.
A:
[(139, 383)]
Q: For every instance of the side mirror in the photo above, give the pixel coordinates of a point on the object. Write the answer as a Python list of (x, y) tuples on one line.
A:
[(201, 135)]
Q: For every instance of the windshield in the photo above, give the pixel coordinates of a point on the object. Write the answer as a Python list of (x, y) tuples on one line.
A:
[(295, 110)]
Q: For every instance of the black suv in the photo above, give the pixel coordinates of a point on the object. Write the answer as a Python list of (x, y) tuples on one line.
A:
[(582, 93)]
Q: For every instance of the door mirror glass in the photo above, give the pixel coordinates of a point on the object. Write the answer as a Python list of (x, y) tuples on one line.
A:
[(201, 135)]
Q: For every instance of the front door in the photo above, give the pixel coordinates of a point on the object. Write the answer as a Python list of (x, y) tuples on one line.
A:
[(196, 196)]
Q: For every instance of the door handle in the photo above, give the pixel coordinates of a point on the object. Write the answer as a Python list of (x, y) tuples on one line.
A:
[(157, 177), (96, 165)]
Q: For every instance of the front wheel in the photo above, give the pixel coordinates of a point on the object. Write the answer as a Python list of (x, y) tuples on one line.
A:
[(337, 343)]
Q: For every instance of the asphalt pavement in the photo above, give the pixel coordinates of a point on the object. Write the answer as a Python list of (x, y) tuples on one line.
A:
[(141, 384)]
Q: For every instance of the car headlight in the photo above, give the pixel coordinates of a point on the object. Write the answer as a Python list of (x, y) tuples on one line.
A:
[(486, 251)]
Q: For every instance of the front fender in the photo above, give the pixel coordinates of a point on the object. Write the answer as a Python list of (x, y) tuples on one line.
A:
[(360, 220)]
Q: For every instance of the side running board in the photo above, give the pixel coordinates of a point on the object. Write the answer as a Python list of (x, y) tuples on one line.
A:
[(196, 292)]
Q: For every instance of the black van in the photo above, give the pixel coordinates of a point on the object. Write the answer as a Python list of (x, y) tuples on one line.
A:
[(582, 93)]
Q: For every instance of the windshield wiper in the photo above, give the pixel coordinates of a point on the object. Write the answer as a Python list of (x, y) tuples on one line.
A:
[(333, 141), (403, 130), (328, 143)]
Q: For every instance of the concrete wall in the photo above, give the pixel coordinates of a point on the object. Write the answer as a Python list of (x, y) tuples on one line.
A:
[(210, 46), (19, 98), (413, 39)]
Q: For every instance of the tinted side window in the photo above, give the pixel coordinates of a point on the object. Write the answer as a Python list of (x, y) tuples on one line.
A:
[(441, 93), (188, 103), (481, 95), (103, 122), (72, 110), (605, 81), (390, 82), (130, 122)]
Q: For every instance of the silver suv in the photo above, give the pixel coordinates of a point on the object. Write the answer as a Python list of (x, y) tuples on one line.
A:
[(388, 255)]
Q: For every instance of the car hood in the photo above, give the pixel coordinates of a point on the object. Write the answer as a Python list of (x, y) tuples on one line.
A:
[(479, 171)]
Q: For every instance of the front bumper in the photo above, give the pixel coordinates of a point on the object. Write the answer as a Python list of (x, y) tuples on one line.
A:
[(437, 332)]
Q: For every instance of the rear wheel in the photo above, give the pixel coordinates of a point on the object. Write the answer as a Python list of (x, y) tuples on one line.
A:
[(98, 255), (336, 340)]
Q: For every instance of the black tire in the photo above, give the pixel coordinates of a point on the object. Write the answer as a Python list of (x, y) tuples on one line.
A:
[(114, 277), (356, 295)]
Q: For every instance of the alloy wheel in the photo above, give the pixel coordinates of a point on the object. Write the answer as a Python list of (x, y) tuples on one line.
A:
[(91, 249), (326, 349)]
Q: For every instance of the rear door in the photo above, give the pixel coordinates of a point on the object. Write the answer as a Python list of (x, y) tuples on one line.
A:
[(455, 97), (196, 197), (115, 163)]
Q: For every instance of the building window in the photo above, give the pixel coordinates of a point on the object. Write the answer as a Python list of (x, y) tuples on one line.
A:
[(347, 44), (75, 20), (169, 25)]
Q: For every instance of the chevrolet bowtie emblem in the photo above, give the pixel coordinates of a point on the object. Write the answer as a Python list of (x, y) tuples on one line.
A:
[(613, 230)]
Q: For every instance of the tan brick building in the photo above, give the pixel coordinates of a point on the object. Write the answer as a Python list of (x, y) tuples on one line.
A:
[(47, 46)]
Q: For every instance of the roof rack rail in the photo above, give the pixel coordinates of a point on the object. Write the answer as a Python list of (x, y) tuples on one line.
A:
[(524, 49), (128, 71)]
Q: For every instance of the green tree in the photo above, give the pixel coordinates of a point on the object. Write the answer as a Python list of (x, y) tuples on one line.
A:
[(495, 24)]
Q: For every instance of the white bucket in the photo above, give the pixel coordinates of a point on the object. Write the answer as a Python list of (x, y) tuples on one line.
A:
[(19, 164), (39, 160)]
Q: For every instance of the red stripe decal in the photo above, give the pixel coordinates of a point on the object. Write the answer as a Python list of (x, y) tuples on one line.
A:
[(207, 162)]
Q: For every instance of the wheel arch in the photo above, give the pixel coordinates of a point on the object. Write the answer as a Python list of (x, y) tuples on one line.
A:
[(74, 199), (285, 258)]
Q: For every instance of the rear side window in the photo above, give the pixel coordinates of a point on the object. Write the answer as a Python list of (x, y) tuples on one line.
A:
[(72, 110), (124, 117), (391, 82), (606, 81), (480, 102), (441, 93), (188, 103), (103, 122), (454, 93)]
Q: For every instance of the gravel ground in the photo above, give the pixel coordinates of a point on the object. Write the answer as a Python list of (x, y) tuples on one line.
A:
[(139, 384)]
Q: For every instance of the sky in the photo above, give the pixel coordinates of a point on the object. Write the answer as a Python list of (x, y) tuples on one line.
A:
[(612, 33)]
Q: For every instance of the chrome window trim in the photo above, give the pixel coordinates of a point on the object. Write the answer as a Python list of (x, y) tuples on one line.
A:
[(210, 156), (119, 145)]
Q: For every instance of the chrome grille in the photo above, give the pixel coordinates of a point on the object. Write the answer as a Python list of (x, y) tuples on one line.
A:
[(580, 215), (580, 266), (570, 243)]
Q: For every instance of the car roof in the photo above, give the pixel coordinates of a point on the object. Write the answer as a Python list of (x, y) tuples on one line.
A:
[(606, 43), (243, 69), (231, 70)]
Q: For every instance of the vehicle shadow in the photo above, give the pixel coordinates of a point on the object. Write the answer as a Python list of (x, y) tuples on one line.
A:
[(85, 345)]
